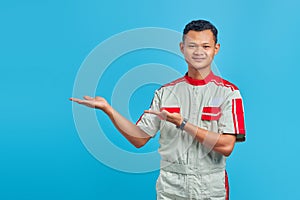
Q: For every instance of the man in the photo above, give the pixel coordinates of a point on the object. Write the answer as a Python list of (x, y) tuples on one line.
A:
[(200, 117)]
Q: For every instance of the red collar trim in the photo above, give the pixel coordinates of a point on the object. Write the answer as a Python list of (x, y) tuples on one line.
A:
[(196, 82)]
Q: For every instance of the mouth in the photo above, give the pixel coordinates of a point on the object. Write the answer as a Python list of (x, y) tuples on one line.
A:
[(198, 59)]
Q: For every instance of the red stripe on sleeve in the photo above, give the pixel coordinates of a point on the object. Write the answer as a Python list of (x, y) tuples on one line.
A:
[(240, 116), (234, 115)]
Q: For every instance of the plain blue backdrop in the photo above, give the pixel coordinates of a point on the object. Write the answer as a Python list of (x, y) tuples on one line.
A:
[(43, 44)]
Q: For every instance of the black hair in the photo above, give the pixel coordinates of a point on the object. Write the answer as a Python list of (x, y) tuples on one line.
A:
[(200, 25)]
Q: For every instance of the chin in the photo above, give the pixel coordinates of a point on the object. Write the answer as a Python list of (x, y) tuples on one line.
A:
[(198, 66)]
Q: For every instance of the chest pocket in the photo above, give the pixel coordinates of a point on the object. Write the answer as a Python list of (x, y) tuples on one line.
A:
[(210, 113), (171, 109)]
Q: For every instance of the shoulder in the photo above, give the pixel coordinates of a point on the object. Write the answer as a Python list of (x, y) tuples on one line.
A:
[(172, 84), (218, 81), (175, 82), (227, 89)]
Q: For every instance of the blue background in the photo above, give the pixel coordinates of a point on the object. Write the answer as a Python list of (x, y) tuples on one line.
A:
[(43, 44)]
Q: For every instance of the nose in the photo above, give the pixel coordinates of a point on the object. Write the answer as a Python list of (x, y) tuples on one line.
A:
[(199, 51)]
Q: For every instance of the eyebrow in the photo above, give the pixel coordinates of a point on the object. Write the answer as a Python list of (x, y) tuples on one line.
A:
[(200, 44)]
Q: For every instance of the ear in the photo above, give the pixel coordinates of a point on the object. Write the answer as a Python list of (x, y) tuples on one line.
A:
[(217, 48), (181, 46)]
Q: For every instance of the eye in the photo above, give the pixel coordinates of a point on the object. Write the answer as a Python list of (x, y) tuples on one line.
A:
[(206, 47), (191, 46)]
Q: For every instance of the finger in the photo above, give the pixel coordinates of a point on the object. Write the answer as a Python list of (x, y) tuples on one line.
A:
[(165, 112), (98, 98), (163, 115), (88, 98), (86, 103), (74, 99), (152, 112)]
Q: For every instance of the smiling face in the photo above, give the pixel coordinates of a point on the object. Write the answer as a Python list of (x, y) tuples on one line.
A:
[(199, 49)]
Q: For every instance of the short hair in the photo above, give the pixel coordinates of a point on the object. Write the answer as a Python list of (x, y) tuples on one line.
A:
[(200, 25)]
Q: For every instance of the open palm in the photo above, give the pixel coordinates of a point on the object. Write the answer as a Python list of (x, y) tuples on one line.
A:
[(174, 118), (97, 102)]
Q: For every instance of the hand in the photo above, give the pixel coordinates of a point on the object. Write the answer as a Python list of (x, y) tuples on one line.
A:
[(97, 102), (174, 118)]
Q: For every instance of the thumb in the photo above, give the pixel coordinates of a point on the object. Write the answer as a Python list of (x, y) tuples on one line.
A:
[(163, 115), (88, 98)]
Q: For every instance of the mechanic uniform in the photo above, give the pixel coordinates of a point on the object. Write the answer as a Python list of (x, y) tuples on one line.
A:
[(189, 170)]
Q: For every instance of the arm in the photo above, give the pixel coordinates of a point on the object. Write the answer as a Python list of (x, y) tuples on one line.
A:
[(130, 131), (222, 143)]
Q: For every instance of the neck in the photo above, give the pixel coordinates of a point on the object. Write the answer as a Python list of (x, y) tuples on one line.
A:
[(198, 74)]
